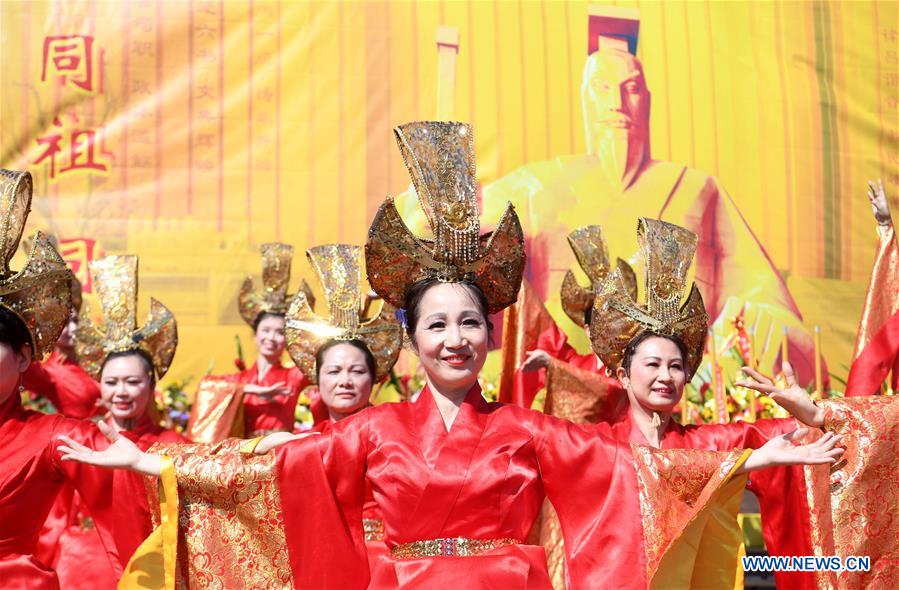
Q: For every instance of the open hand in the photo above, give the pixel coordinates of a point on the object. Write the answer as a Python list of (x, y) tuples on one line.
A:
[(780, 450), (121, 454), (534, 360), (792, 398), (878, 199), (267, 391)]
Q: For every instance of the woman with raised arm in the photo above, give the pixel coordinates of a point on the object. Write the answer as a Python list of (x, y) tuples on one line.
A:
[(458, 480), (262, 398), (35, 303), (655, 348), (127, 361)]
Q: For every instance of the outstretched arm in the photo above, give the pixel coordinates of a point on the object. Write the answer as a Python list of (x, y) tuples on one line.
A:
[(780, 450), (121, 454)]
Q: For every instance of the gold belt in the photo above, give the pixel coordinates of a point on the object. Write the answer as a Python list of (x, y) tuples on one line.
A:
[(373, 529), (453, 547)]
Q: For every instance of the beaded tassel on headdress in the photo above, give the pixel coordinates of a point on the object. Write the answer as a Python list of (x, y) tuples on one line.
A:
[(440, 160)]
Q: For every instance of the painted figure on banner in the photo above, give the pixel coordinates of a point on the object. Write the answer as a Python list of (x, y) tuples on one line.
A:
[(617, 181)]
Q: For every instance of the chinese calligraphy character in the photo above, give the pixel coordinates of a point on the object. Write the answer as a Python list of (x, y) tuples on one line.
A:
[(78, 253), (70, 57), (83, 152)]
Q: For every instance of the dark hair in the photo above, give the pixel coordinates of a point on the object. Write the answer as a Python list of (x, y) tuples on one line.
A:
[(369, 357), (143, 356), (417, 291), (263, 315), (13, 331), (643, 336), (588, 315)]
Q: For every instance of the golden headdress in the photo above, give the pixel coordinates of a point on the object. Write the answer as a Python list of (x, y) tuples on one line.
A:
[(77, 297), (440, 159), (617, 317), (115, 281), (39, 294), (338, 269), (589, 246), (273, 297)]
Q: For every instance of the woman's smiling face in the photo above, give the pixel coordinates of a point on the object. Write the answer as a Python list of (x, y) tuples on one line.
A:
[(451, 336)]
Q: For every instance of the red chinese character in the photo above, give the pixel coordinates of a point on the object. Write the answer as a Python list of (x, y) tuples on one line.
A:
[(51, 142), (82, 144), (78, 253), (69, 57)]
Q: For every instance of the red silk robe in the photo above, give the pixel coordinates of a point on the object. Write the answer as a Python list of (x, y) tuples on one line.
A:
[(484, 479), (276, 413), (71, 544), (785, 497), (372, 523), (72, 391), (31, 476), (221, 408)]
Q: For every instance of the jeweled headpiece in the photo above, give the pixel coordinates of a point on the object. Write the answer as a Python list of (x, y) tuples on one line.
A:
[(617, 317), (40, 294), (338, 267), (589, 246), (273, 297), (77, 297), (115, 282), (440, 160)]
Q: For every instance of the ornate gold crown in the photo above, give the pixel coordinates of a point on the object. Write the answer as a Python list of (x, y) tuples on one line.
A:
[(273, 297), (440, 159), (589, 246), (338, 269), (115, 280), (40, 294), (617, 317), (77, 297)]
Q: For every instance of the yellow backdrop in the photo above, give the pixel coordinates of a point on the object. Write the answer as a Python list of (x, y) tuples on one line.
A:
[(190, 132)]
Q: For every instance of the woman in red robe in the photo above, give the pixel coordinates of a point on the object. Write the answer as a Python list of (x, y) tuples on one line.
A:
[(127, 376), (655, 348), (34, 306), (458, 480), (344, 354), (262, 398)]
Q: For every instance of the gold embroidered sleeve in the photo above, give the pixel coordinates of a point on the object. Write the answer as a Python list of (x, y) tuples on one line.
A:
[(229, 517), (853, 504), (680, 490)]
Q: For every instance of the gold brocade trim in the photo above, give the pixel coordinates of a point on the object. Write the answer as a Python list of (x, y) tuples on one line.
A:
[(228, 511), (373, 529), (881, 300), (217, 412), (675, 485), (852, 505), (449, 547)]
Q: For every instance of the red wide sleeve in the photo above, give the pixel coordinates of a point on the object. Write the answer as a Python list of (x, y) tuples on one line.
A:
[(591, 482), (322, 483), (120, 522), (72, 391)]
